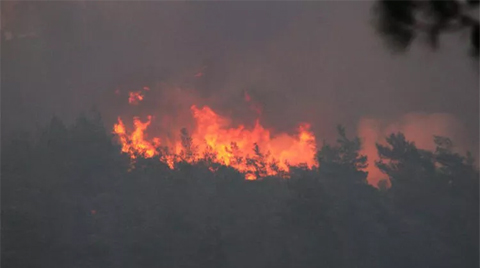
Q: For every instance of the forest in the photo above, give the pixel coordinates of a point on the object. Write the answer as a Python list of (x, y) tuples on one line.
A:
[(70, 198)]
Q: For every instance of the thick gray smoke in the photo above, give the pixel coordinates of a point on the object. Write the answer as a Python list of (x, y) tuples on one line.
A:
[(318, 62)]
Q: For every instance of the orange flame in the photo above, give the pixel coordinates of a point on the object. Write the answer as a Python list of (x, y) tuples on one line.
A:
[(255, 152), (135, 143)]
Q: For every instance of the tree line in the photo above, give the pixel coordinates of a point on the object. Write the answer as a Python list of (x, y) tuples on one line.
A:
[(70, 199)]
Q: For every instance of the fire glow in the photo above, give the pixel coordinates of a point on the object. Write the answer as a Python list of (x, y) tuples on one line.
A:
[(135, 97), (214, 138), (255, 151)]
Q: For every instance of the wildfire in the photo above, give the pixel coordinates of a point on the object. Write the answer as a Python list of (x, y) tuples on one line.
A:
[(135, 143), (253, 151)]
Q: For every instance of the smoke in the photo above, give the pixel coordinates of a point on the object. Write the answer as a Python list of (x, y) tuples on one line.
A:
[(317, 62)]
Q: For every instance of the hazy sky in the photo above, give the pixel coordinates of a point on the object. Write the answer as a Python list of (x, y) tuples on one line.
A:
[(304, 61)]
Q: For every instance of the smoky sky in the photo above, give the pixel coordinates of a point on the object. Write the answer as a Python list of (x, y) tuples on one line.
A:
[(319, 62)]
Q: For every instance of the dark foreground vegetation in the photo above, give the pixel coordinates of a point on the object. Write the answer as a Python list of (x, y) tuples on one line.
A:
[(69, 201)]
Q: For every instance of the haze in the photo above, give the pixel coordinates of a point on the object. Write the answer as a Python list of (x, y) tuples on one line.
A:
[(216, 143), (306, 61)]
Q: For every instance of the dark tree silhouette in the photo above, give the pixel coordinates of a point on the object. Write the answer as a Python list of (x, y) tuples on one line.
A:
[(400, 22), (71, 199)]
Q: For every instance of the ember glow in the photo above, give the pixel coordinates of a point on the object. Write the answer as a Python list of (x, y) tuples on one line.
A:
[(135, 97), (254, 106), (213, 137)]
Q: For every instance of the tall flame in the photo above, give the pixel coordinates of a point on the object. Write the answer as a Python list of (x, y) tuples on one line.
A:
[(135, 143), (214, 136)]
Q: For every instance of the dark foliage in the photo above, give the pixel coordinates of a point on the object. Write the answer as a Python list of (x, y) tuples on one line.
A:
[(400, 22), (69, 200)]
